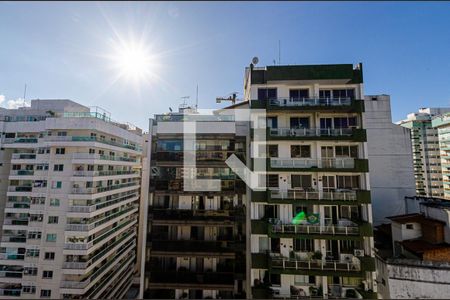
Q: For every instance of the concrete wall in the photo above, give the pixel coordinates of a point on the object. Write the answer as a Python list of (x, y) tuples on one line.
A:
[(409, 279), (390, 159)]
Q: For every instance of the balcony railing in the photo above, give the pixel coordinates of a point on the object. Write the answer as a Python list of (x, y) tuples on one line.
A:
[(90, 139), (21, 172), (100, 205), (315, 229), (102, 157), (11, 292), (102, 173), (24, 188), (23, 156), (292, 264), (311, 132), (12, 256), (16, 221), (14, 239), (313, 101), (344, 195), (95, 190), (20, 140), (332, 163), (88, 227)]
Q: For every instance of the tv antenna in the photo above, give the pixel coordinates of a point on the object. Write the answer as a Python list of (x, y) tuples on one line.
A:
[(232, 97), (24, 94), (185, 98)]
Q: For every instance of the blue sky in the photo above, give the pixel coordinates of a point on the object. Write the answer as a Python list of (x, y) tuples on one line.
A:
[(60, 49)]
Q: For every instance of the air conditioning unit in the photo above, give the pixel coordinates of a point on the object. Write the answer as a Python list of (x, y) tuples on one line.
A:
[(358, 252)]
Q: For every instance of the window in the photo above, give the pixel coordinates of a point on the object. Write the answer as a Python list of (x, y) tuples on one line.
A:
[(56, 184), (52, 220), (266, 94), (46, 293), (27, 289), (36, 218), (301, 181), (273, 150), (272, 180), (47, 274), (91, 151), (32, 252), (62, 133), (42, 167), (299, 94), (409, 226), (346, 151), (34, 235), (304, 279), (299, 122), (275, 279), (347, 182), (30, 271), (61, 151), (345, 122), (304, 245), (51, 237), (54, 202), (58, 168), (344, 93), (300, 151)]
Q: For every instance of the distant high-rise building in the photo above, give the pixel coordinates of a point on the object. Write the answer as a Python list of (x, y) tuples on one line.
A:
[(442, 124), (70, 187), (426, 152)]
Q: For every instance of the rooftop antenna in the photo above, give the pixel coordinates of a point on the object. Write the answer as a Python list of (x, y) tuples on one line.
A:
[(279, 52), (232, 98), (196, 99), (24, 94)]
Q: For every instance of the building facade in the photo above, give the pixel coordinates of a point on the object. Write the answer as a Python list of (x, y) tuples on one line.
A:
[(311, 230), (72, 179), (195, 243), (442, 124), (390, 159), (426, 152)]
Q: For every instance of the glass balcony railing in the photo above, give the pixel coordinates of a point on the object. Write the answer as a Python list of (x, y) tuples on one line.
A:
[(100, 205), (103, 220), (325, 265), (23, 156), (20, 140), (90, 139), (95, 190), (21, 172), (10, 292), (102, 173), (102, 157)]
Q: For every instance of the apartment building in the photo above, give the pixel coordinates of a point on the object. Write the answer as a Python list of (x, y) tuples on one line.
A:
[(426, 152), (195, 243), (311, 230), (72, 187), (442, 124)]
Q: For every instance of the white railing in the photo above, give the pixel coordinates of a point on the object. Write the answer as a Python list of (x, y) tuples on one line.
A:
[(101, 157), (75, 265), (338, 163), (314, 195), (315, 229), (102, 173), (23, 156), (313, 101), (78, 246), (287, 263), (305, 132)]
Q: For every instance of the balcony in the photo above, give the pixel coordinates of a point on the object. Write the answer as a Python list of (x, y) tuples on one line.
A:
[(100, 205), (349, 134), (322, 164), (91, 139), (78, 156), (177, 186), (102, 220), (21, 173), (13, 256), (198, 248), (338, 196), (14, 238), (23, 188), (192, 216), (19, 222), (101, 189), (20, 140), (23, 156), (11, 292), (290, 230), (192, 280), (103, 173), (346, 104), (321, 267)]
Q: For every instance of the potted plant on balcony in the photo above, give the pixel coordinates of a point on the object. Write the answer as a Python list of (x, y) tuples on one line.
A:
[(317, 257)]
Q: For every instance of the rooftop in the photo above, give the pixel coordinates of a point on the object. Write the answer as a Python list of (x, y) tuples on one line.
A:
[(420, 246), (346, 72), (415, 218)]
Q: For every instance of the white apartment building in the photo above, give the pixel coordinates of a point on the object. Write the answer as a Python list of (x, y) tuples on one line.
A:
[(311, 231), (426, 152), (70, 185)]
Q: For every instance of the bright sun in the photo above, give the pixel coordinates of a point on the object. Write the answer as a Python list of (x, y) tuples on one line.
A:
[(134, 62)]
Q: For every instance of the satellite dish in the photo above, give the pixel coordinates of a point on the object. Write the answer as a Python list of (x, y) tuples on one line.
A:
[(255, 60)]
